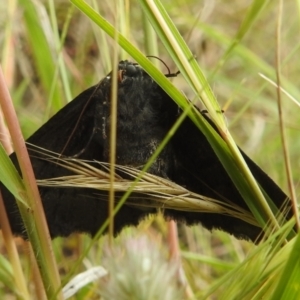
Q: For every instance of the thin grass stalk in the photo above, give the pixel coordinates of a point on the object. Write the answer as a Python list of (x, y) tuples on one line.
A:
[(13, 254), (6, 229), (39, 288), (8, 53), (285, 150), (34, 219), (113, 137)]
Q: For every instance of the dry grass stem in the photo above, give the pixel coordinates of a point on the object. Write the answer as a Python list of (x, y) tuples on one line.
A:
[(150, 191)]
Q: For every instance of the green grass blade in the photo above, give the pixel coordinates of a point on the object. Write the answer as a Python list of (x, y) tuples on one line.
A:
[(42, 52), (10, 177), (253, 12), (289, 283)]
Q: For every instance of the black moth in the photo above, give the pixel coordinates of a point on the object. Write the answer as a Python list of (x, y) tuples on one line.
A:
[(145, 115)]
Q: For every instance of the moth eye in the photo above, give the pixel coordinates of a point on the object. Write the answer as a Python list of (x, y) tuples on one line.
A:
[(131, 70)]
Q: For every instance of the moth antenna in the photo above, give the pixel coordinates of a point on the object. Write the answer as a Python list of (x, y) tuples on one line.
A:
[(169, 72)]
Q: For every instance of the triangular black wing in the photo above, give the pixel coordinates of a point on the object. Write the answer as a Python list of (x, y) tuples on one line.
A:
[(145, 115)]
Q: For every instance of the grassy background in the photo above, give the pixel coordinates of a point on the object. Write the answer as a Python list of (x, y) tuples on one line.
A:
[(50, 52)]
